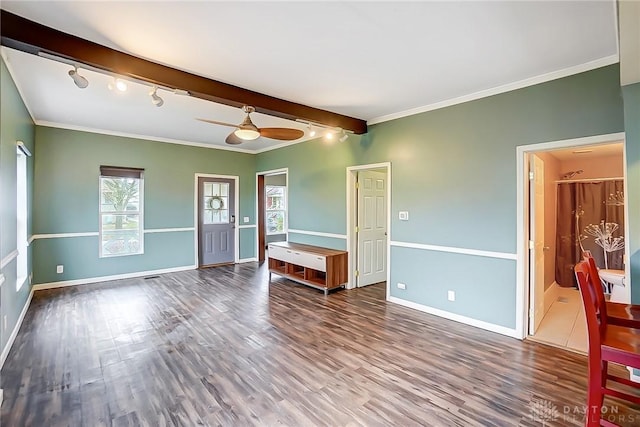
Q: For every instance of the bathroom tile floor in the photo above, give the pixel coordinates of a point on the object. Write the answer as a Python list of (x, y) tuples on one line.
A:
[(564, 324)]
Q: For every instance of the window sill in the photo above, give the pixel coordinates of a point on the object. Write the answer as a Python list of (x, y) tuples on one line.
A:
[(120, 255)]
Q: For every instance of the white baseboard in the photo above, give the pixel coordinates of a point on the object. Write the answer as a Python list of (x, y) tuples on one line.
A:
[(14, 333), (550, 295), (458, 318), (243, 260), (64, 283)]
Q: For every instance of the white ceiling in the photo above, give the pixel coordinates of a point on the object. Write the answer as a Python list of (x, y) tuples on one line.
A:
[(370, 60), (615, 149), (590, 151)]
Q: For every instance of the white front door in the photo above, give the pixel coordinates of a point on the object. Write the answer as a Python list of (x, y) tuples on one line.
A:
[(536, 255), (372, 227)]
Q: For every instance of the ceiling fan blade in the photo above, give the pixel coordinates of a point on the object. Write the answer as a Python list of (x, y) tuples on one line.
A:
[(233, 139), (215, 122), (283, 134)]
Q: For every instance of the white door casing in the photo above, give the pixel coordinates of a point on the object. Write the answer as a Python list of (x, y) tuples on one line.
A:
[(536, 220), (372, 227), (196, 214)]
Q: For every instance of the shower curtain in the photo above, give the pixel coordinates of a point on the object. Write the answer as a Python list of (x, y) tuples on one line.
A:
[(590, 216)]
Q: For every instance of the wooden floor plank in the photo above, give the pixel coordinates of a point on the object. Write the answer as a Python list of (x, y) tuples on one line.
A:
[(222, 347)]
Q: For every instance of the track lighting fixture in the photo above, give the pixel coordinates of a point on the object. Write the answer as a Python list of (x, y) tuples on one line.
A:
[(344, 136), (312, 131), (79, 80), (329, 133), (155, 99), (118, 84)]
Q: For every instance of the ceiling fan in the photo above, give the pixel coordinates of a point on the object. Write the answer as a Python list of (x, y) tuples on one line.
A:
[(247, 131)]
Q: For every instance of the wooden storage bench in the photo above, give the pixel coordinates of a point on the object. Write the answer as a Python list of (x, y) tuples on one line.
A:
[(320, 268)]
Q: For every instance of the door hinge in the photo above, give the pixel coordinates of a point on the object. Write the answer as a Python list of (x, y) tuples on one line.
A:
[(530, 175), (531, 244), (356, 273), (357, 229), (357, 184)]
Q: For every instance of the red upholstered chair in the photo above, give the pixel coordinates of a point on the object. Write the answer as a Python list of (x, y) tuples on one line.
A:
[(617, 313), (607, 343)]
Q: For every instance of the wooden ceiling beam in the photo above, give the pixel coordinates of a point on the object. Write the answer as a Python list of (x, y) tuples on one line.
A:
[(31, 37)]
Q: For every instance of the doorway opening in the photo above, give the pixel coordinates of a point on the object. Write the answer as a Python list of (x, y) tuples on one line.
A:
[(272, 209), (368, 224), (573, 191), (215, 210)]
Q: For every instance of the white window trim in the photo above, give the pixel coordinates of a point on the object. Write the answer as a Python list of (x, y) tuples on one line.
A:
[(140, 221)]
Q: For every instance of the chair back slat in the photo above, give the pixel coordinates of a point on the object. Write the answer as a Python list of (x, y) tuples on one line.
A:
[(597, 291), (596, 325), (597, 288)]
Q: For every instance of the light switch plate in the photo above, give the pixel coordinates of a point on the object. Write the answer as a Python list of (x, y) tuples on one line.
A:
[(403, 216), (245, 219)]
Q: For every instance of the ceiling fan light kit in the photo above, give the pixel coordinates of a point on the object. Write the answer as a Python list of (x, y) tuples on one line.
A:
[(247, 134), (247, 131)]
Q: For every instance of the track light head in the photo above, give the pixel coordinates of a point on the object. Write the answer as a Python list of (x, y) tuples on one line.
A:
[(79, 80), (118, 84), (312, 131), (155, 98)]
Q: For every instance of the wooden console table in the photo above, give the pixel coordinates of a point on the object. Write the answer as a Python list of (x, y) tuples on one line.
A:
[(320, 268)]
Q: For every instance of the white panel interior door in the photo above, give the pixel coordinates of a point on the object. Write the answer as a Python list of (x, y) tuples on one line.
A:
[(372, 227), (536, 257)]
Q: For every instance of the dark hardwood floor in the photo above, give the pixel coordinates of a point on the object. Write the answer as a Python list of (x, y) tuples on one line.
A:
[(222, 347)]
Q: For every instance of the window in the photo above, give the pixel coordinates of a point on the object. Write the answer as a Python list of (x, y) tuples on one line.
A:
[(216, 203), (121, 211), (21, 217), (276, 209)]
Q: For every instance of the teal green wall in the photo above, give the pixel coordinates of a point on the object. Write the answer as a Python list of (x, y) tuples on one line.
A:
[(327, 242), (66, 195), (454, 170), (248, 237), (15, 125), (316, 182), (631, 96)]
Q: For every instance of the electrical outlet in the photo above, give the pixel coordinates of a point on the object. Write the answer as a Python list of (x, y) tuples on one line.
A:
[(402, 286), (403, 216), (451, 295), (60, 269), (245, 219)]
